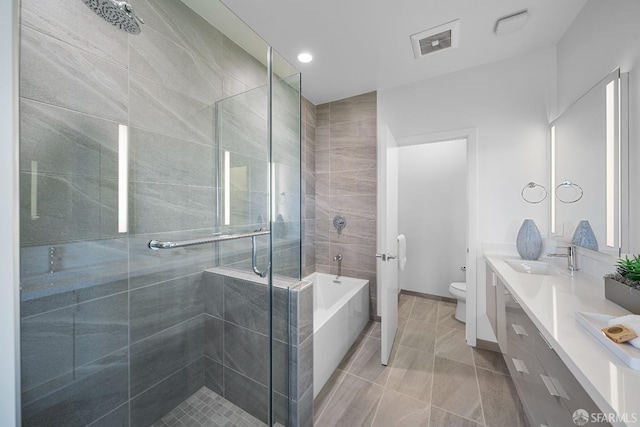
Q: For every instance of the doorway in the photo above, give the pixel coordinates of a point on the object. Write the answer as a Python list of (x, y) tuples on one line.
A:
[(432, 214)]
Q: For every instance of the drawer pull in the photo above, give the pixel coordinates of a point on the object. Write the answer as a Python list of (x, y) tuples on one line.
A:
[(545, 340), (519, 329), (553, 387), (520, 366)]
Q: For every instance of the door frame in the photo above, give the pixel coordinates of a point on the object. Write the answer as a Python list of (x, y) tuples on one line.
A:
[(472, 261)]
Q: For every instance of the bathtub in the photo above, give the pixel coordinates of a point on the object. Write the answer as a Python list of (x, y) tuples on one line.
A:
[(340, 313)]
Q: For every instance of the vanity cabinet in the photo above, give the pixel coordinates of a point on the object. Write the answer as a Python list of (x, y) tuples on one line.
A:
[(547, 389), (492, 312)]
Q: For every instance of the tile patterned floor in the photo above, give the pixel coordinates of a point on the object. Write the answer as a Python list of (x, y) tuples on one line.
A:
[(207, 409), (433, 379)]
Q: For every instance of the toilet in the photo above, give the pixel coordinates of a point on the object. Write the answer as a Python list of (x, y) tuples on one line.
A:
[(459, 291)]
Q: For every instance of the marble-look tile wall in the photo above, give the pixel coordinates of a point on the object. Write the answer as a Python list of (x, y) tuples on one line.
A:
[(237, 344), (308, 187), (346, 175), (111, 331), (243, 138)]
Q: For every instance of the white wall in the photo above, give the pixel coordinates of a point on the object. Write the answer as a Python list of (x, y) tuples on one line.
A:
[(605, 35), (9, 378), (432, 205), (510, 104)]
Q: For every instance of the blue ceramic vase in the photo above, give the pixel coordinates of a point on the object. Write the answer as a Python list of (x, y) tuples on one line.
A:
[(529, 241), (583, 236)]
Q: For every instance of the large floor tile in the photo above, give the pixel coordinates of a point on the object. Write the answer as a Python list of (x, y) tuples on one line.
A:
[(455, 389), (367, 363), (424, 310), (499, 399), (405, 304), (419, 335), (441, 418), (446, 312), (411, 373), (491, 360), (397, 409), (353, 404), (322, 399), (451, 344)]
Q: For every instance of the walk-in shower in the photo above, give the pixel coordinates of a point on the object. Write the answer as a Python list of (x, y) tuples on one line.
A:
[(160, 219)]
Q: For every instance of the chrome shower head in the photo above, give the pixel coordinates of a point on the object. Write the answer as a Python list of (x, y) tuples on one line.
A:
[(118, 13)]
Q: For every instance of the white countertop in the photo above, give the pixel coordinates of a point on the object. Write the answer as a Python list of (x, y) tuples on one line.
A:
[(551, 303)]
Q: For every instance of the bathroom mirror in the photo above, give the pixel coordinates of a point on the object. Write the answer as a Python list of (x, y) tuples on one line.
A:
[(588, 178)]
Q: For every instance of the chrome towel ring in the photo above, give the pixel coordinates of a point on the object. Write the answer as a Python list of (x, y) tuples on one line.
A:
[(533, 185), (568, 184)]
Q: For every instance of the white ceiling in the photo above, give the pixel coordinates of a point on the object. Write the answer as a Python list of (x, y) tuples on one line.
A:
[(363, 45)]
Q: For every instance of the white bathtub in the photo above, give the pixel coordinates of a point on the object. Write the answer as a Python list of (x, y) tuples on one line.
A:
[(340, 313)]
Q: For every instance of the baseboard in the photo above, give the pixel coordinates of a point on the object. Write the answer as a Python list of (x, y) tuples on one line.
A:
[(428, 296)]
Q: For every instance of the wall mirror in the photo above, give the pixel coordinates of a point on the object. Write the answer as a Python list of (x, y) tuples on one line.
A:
[(589, 176)]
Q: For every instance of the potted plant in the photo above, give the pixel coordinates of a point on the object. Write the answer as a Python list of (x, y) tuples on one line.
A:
[(623, 286)]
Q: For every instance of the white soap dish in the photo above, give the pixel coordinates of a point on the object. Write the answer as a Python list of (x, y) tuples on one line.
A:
[(594, 323)]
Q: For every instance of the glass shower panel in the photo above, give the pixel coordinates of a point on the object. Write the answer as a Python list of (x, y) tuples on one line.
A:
[(285, 168), (162, 135), (243, 155)]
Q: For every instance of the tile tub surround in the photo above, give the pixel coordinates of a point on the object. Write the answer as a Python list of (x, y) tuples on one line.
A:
[(91, 328), (346, 176), (237, 346), (433, 378), (308, 187)]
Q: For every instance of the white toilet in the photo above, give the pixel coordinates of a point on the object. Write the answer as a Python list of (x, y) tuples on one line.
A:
[(459, 291)]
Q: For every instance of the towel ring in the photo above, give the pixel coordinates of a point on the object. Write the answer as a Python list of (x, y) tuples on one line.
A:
[(569, 184), (533, 185)]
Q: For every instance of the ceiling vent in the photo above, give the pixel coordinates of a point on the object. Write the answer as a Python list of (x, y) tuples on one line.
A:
[(436, 39)]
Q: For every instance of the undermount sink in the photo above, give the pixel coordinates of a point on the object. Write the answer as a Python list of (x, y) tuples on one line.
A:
[(535, 267)]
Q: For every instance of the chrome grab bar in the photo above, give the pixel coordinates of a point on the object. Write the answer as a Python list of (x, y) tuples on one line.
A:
[(157, 244), (254, 259)]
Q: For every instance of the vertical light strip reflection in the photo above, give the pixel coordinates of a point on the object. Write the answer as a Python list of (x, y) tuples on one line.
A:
[(554, 302), (553, 179), (618, 164), (613, 379), (123, 179), (227, 188), (34, 190), (611, 164)]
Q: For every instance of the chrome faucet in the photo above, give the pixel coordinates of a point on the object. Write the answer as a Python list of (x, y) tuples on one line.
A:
[(570, 255), (338, 259)]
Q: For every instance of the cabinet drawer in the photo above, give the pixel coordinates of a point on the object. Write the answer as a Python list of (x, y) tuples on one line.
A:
[(520, 329), (576, 396)]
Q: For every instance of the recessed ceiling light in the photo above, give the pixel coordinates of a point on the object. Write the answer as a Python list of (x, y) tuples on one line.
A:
[(305, 57)]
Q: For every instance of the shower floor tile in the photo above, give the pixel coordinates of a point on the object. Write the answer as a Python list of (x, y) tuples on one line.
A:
[(207, 409)]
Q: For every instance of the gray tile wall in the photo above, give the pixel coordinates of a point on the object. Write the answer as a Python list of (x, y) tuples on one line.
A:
[(345, 183), (237, 345), (112, 333), (308, 187)]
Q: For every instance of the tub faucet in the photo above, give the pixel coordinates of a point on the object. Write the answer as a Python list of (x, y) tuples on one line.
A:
[(338, 259), (570, 255)]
